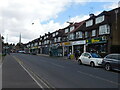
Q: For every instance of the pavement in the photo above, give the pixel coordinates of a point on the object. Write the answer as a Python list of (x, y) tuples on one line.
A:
[(14, 76)]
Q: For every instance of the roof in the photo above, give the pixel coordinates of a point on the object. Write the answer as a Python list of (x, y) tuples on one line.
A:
[(78, 25)]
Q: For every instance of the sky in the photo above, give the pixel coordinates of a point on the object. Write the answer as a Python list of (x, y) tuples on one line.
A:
[(33, 18)]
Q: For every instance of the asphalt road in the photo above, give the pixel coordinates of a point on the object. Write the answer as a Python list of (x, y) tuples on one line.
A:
[(60, 73)]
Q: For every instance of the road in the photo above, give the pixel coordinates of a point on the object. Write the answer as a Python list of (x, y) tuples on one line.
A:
[(57, 72)]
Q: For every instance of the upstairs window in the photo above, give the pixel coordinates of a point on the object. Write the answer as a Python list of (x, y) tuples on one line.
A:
[(104, 29), (36, 44), (53, 34), (66, 30), (59, 39), (79, 34), (99, 19), (89, 23), (72, 28), (56, 33), (71, 36), (93, 32), (55, 39), (40, 43), (47, 41), (44, 37), (86, 34)]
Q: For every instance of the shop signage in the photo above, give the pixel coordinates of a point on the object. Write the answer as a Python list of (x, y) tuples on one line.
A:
[(66, 43), (79, 42), (34, 47), (95, 40)]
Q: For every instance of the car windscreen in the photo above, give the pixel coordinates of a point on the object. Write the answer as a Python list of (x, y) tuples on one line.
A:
[(94, 55)]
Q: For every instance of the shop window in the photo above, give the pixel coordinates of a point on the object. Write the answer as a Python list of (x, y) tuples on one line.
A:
[(93, 32), (89, 23), (104, 29), (99, 19), (79, 34)]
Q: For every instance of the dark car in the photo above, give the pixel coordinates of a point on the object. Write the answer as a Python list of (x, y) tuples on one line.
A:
[(111, 62)]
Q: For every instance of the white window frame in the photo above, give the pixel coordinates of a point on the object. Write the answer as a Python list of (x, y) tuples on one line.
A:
[(40, 43), (104, 29), (71, 36), (56, 33), (89, 23), (86, 34), (72, 28), (66, 30), (79, 34), (36, 44), (99, 19), (59, 39), (53, 34), (93, 33)]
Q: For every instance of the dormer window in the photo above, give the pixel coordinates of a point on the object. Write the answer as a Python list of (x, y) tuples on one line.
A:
[(72, 28), (89, 23), (53, 34), (99, 19), (56, 33), (66, 30), (44, 37)]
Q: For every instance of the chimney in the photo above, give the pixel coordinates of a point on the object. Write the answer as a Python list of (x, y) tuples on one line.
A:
[(91, 15)]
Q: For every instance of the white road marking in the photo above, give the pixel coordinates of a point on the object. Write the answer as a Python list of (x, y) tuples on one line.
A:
[(94, 76), (27, 71), (37, 76)]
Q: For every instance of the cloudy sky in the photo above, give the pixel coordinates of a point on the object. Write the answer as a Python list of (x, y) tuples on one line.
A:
[(17, 16)]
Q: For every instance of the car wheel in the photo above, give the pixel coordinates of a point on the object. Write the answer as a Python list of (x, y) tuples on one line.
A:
[(92, 64), (79, 62), (108, 67)]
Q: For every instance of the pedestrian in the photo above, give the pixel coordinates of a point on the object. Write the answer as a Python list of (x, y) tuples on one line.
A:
[(76, 54)]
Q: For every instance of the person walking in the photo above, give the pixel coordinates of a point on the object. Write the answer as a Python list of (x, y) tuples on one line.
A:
[(76, 54)]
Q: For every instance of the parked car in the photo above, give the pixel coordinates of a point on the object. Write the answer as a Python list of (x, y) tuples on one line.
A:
[(111, 62), (92, 59)]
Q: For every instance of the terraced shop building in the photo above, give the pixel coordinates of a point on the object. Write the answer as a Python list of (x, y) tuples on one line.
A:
[(102, 32), (99, 33)]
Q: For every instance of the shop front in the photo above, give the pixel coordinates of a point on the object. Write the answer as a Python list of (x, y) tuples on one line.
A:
[(78, 45), (98, 45), (67, 48)]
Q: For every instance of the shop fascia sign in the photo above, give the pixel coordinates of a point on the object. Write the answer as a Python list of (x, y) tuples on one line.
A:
[(66, 43), (94, 40), (34, 47), (82, 42)]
